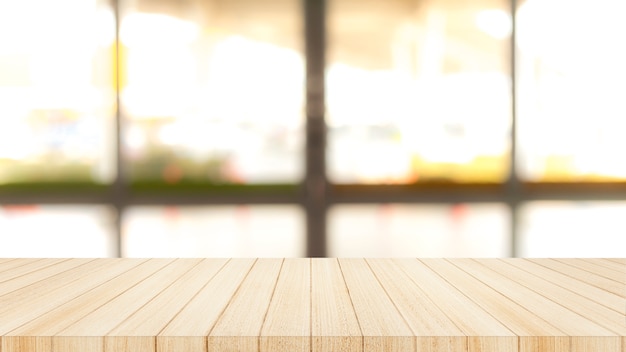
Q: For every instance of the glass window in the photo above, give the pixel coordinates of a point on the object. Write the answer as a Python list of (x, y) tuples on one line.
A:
[(57, 90), (573, 229), (395, 230), (213, 90), (418, 90), (56, 232), (571, 73), (219, 231)]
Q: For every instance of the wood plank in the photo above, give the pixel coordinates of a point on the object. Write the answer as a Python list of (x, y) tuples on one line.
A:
[(596, 344), (59, 279), (584, 306), (174, 285), (383, 327), (595, 269), (492, 344), (428, 323), (441, 344), (42, 271), (619, 267), (545, 344), (562, 318), (577, 273), (621, 261), (18, 310), (29, 265), (87, 333), (608, 299), (78, 301), (514, 316), (351, 305), (137, 332), (240, 324), (182, 343), (11, 264), (26, 344), (334, 323), (287, 325), (105, 318), (77, 344), (466, 314), (187, 331), (130, 343)]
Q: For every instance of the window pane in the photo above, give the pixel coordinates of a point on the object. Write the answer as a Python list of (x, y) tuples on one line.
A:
[(56, 232), (571, 73), (213, 90), (220, 231), (564, 229), (418, 90), (419, 231), (56, 90)]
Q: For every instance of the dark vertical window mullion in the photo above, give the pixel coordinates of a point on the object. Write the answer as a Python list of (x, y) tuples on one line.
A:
[(315, 183), (513, 182)]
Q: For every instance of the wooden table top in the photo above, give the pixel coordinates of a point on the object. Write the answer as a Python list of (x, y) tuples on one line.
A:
[(433, 305)]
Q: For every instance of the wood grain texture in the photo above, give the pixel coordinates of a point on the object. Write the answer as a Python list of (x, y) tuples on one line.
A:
[(567, 321), (575, 302), (129, 344), (418, 310), (46, 273), (492, 344), (382, 325), (345, 305), (105, 318), (195, 320), (42, 313), (77, 344), (26, 343), (433, 330), (615, 265), (239, 326), (595, 269), (287, 324), (48, 286), (596, 343), (608, 299), (584, 275), (465, 313), (334, 325), (441, 344), (150, 319), (9, 265), (27, 266), (544, 344), (514, 316), (181, 343)]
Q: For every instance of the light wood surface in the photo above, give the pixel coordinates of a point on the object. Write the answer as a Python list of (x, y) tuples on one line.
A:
[(591, 277), (334, 325), (344, 305)]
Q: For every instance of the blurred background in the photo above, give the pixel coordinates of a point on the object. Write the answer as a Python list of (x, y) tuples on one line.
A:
[(291, 128)]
